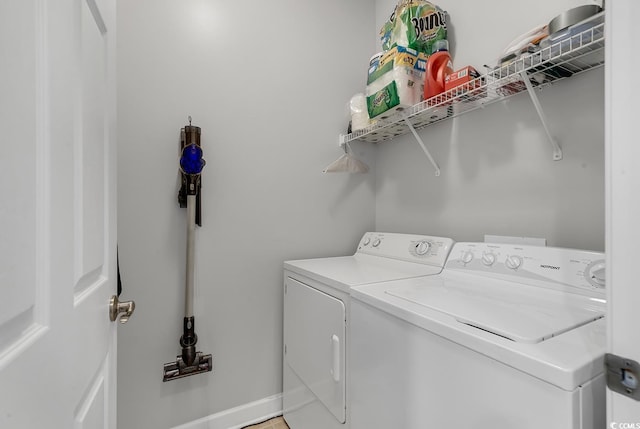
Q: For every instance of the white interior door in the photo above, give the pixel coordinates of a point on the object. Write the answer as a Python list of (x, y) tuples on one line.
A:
[(623, 197), (57, 214)]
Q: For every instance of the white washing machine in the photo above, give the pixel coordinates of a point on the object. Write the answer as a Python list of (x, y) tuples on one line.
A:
[(505, 337), (316, 319)]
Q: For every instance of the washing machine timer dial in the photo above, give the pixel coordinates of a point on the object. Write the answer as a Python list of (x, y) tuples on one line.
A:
[(595, 274), (376, 242)]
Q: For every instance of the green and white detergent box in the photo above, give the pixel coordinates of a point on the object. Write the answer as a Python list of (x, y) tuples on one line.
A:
[(395, 81)]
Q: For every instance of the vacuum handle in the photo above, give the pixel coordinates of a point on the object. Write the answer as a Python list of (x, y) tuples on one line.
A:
[(190, 268)]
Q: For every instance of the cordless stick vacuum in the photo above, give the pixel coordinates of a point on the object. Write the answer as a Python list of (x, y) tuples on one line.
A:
[(190, 362)]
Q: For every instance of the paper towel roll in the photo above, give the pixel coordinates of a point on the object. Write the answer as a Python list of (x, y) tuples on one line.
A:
[(396, 81)]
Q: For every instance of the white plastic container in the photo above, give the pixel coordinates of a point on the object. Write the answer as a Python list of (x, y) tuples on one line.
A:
[(359, 113)]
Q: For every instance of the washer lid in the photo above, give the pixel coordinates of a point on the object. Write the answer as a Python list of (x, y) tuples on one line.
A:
[(518, 312)]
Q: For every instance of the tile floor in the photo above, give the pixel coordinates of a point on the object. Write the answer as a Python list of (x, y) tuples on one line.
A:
[(275, 423)]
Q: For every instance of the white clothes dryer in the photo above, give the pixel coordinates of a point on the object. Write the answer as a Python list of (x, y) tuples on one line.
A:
[(505, 337), (316, 319)]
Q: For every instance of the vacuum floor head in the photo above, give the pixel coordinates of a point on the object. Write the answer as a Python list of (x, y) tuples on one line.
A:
[(179, 369)]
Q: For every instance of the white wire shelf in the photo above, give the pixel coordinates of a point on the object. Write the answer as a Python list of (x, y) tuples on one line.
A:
[(564, 58)]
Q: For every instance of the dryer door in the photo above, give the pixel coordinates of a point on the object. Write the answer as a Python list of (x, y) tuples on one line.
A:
[(314, 338)]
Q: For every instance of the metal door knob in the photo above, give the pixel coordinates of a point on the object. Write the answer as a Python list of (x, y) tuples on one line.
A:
[(125, 308)]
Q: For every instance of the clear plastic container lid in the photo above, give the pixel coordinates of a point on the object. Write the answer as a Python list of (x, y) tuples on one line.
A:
[(440, 45)]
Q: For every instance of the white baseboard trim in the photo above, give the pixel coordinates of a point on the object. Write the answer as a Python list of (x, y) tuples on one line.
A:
[(241, 416)]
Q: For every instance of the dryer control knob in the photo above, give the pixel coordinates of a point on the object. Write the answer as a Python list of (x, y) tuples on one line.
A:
[(488, 259), (467, 257), (366, 241), (376, 242), (422, 247), (513, 262)]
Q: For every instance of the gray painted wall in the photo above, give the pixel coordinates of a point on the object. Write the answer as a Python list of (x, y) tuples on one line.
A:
[(268, 83), (498, 176), (271, 111)]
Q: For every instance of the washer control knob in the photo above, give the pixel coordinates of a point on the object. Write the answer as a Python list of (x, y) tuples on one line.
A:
[(598, 277), (467, 256), (513, 262), (366, 241), (376, 242), (488, 259), (595, 273), (422, 247)]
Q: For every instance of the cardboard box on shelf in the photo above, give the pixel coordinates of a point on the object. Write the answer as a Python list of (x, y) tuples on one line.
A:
[(465, 81)]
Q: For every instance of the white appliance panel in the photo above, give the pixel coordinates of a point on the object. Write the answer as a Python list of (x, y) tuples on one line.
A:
[(569, 270), (316, 313), (406, 247), (342, 272), (314, 339), (302, 408), (406, 377), (379, 257), (567, 360), (506, 336), (519, 313)]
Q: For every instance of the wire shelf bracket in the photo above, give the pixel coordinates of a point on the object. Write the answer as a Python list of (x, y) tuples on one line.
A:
[(557, 150), (422, 145)]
